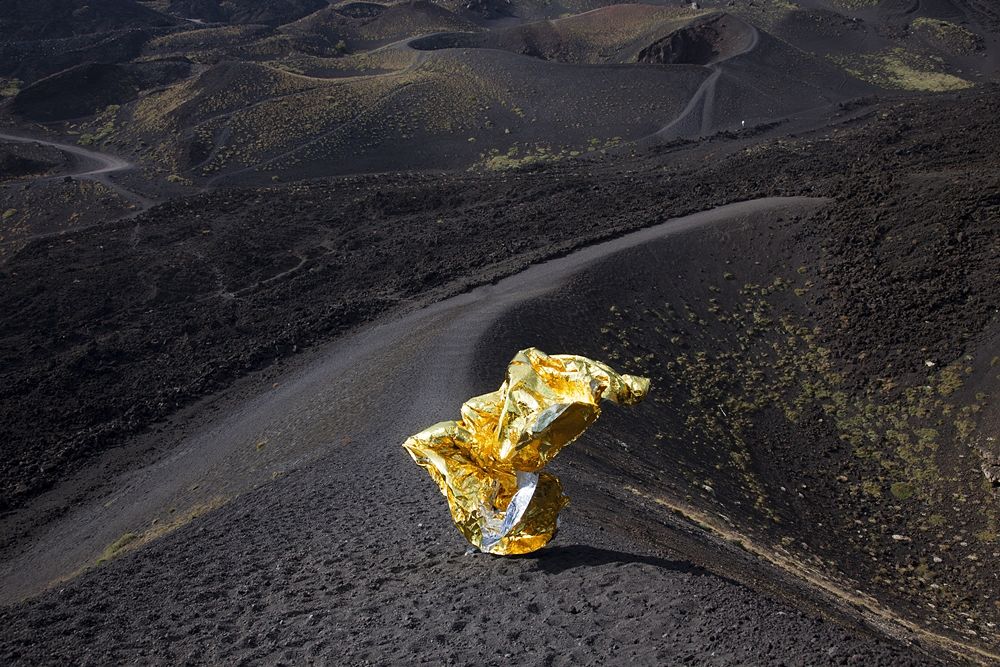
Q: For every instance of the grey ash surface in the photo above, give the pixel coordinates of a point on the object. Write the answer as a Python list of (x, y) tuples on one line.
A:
[(355, 562)]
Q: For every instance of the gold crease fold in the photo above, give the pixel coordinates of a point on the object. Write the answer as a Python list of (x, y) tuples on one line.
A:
[(495, 453)]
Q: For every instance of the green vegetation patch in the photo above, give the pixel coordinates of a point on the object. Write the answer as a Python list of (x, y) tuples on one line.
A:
[(103, 127), (533, 156), (116, 547), (9, 87), (902, 69), (946, 35), (902, 490), (133, 540), (515, 159)]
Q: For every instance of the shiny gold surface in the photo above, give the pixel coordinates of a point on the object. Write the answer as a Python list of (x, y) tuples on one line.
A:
[(495, 453)]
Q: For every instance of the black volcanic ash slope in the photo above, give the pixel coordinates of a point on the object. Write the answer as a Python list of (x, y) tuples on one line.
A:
[(192, 251), (90, 88), (836, 372)]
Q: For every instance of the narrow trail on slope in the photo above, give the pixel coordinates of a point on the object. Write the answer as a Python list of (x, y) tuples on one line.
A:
[(690, 122), (424, 350), (95, 166)]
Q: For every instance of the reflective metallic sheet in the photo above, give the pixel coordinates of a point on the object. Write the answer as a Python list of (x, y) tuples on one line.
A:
[(488, 464)]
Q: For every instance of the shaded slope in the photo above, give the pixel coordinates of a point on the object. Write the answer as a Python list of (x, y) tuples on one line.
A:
[(30, 61), (874, 41), (87, 89), (776, 80), (754, 77), (26, 20), (19, 159), (703, 42), (268, 12)]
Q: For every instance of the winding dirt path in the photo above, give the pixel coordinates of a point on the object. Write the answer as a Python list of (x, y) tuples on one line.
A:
[(424, 351), (93, 166), (330, 431), (696, 118)]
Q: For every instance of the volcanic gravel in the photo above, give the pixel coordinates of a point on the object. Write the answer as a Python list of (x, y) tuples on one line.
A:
[(374, 573)]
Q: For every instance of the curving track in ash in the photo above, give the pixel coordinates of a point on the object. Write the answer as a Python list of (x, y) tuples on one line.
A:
[(364, 384), (329, 432), (92, 166), (696, 117)]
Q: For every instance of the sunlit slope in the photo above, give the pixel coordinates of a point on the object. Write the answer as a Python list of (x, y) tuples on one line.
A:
[(451, 109), (777, 80), (362, 25), (509, 98)]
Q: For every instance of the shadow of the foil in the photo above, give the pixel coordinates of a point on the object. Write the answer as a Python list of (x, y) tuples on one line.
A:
[(555, 560)]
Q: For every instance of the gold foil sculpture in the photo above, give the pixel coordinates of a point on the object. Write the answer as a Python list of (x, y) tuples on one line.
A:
[(488, 464)]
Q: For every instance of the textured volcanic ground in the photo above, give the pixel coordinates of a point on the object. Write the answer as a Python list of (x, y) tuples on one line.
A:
[(255, 245), (356, 519), (236, 326)]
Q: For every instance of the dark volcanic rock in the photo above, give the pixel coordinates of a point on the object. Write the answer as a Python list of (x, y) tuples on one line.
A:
[(702, 42), (360, 10), (489, 8)]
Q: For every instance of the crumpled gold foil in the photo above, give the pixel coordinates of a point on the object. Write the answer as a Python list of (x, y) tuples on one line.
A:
[(488, 464)]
